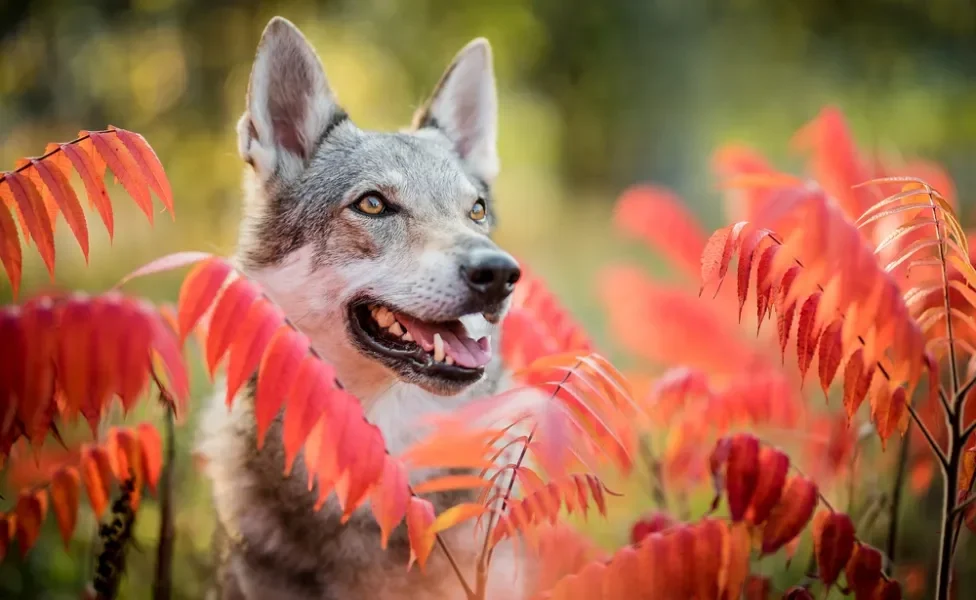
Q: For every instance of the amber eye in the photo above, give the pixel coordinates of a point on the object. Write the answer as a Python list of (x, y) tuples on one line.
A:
[(478, 211), (371, 205)]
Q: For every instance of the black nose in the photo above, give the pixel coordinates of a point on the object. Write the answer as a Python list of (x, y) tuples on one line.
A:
[(491, 274)]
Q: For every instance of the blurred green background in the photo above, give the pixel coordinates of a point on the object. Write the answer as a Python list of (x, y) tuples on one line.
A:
[(594, 96)]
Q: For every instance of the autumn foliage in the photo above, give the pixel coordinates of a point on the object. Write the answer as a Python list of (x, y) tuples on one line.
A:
[(861, 270)]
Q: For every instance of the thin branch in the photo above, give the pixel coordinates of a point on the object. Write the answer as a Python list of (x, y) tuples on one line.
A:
[(965, 389), (896, 494), (968, 431), (965, 503), (163, 584), (936, 449), (953, 367)]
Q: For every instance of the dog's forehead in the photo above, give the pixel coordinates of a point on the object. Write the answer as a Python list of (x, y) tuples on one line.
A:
[(421, 168)]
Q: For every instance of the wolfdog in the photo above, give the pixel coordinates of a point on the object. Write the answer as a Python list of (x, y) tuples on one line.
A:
[(376, 244)]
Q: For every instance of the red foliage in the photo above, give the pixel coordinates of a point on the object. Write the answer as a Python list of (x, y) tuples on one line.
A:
[(38, 189)]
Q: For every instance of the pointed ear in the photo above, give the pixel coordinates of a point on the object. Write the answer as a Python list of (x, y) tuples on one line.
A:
[(464, 106), (290, 105)]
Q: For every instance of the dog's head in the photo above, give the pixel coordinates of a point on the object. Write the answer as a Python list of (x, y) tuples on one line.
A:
[(376, 244)]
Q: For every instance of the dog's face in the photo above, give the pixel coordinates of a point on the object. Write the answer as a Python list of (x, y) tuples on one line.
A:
[(376, 244)]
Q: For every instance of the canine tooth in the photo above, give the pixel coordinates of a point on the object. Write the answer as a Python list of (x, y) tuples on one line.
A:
[(407, 337), (438, 347), (448, 360), (384, 317), (395, 329)]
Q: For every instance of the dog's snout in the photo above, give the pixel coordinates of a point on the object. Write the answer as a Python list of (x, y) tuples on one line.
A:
[(491, 274)]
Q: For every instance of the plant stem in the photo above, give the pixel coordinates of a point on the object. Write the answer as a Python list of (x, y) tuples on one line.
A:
[(163, 583), (896, 493), (951, 479), (936, 449)]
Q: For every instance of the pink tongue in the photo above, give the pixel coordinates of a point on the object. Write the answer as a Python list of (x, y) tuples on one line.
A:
[(465, 351)]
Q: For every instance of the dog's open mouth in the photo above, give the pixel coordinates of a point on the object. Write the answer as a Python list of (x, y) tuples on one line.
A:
[(443, 349)]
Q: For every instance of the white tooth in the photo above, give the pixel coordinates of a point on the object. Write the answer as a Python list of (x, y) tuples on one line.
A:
[(438, 347), (407, 337), (395, 329), (448, 360)]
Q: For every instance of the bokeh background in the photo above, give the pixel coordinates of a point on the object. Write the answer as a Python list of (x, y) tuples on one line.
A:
[(594, 96)]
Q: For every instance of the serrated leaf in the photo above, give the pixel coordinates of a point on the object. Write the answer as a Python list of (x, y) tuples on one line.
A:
[(67, 201), (276, 375), (94, 184), (260, 323), (149, 164), (34, 215), (121, 163), (199, 291), (65, 496), (389, 499), (227, 316)]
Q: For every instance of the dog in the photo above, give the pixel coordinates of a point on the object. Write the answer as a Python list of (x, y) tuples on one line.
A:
[(377, 245)]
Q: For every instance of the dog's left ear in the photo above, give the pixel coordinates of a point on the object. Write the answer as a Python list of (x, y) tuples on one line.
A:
[(464, 106)]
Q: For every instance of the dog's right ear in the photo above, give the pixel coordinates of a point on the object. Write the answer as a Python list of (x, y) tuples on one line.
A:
[(290, 105)]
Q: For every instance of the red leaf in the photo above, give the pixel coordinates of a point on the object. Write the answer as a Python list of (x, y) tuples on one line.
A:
[(30, 512), (96, 473), (798, 593), (76, 348), (94, 184), (198, 292), (34, 215), (830, 354), (773, 466), (118, 159), (149, 164), (718, 253), (757, 588), (65, 495), (887, 590), (259, 325), (124, 447), (420, 517), (833, 542), (227, 316), (784, 312), (276, 375), (306, 401), (658, 217), (807, 333), (863, 571), (389, 498), (66, 200), (655, 522), (857, 380), (742, 474), (790, 515)]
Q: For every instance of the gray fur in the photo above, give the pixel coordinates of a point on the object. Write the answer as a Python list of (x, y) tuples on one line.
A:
[(314, 255)]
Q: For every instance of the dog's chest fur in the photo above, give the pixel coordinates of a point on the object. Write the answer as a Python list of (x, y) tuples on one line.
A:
[(271, 543)]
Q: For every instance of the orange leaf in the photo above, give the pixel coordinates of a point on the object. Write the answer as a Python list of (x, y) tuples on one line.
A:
[(735, 566), (123, 446), (149, 164), (790, 515), (833, 542), (199, 290), (151, 445), (420, 518), (830, 354), (276, 375), (118, 159), (888, 412), (10, 252), (30, 512), (857, 380), (34, 215), (456, 515), (96, 473), (66, 199), (622, 576), (94, 184), (710, 538), (450, 483), (65, 490)]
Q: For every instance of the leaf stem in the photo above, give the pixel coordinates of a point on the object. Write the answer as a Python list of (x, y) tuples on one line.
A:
[(46, 155)]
